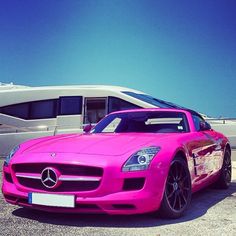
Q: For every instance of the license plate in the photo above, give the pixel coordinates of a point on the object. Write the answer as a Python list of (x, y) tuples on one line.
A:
[(54, 200)]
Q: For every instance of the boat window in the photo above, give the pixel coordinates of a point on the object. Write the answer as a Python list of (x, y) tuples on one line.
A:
[(117, 104), (17, 110), (43, 109), (71, 105), (95, 110), (153, 101)]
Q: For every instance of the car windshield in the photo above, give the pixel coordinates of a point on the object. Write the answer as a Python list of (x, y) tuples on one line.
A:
[(153, 101), (144, 122)]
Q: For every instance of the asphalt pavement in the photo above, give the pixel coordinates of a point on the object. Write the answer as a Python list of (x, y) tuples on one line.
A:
[(212, 212)]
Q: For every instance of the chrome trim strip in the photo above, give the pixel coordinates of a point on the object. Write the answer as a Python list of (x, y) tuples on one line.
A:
[(79, 178), (28, 176)]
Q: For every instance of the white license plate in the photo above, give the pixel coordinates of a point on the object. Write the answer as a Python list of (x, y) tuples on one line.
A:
[(54, 200)]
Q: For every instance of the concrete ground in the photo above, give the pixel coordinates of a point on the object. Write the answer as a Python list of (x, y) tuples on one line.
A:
[(212, 212)]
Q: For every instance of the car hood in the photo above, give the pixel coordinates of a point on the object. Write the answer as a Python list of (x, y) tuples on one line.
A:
[(97, 144)]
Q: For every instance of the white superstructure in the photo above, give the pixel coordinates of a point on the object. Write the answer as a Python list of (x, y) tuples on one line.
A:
[(31, 112)]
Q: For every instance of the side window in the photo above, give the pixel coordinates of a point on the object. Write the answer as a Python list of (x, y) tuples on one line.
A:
[(71, 105), (117, 104), (43, 109), (197, 120), (32, 110), (18, 110)]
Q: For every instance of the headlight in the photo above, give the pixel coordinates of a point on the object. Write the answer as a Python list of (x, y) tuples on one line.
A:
[(11, 154), (141, 159)]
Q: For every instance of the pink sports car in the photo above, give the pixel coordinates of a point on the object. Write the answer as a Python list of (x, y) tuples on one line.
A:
[(136, 161)]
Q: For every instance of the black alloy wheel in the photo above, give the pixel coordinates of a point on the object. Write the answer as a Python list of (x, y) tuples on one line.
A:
[(177, 195)]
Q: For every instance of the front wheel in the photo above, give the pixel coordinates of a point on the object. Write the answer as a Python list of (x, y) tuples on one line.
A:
[(178, 191)]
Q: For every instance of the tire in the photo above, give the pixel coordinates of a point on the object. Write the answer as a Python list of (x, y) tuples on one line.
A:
[(178, 191), (225, 173)]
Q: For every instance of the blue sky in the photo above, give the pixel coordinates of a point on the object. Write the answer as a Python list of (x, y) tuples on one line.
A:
[(181, 51)]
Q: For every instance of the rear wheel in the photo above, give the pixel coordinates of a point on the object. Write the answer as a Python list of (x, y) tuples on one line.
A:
[(225, 173), (177, 195)]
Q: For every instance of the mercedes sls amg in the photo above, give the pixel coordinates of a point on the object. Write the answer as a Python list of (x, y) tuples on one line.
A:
[(135, 161)]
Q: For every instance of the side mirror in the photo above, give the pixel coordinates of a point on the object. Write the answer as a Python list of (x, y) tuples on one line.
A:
[(87, 128), (205, 126)]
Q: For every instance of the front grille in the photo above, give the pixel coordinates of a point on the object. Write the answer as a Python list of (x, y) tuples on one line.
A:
[(75, 178), (67, 186), (64, 169)]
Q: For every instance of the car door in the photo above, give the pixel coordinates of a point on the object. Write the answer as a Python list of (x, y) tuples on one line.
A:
[(217, 149), (203, 149)]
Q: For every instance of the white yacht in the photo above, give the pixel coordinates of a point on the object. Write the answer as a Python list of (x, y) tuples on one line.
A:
[(31, 112)]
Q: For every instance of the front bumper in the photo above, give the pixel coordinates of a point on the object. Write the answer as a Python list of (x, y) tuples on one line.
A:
[(133, 202), (108, 198)]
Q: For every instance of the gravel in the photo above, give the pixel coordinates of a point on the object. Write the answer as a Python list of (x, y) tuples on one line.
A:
[(212, 212)]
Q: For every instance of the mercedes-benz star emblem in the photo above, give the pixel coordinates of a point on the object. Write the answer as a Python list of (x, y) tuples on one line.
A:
[(49, 177)]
